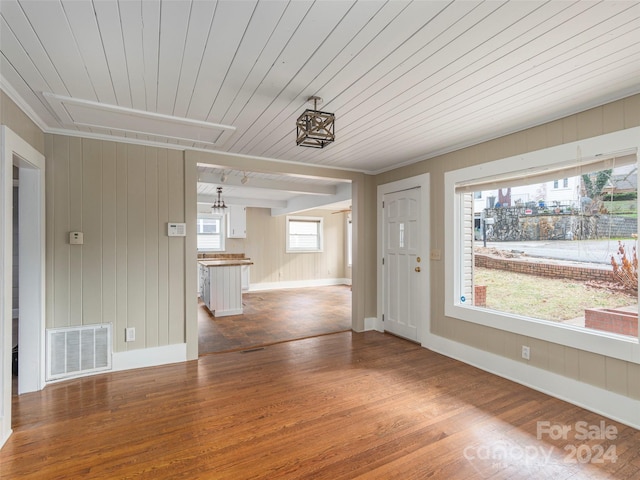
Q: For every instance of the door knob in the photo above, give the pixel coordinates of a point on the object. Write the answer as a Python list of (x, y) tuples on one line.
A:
[(418, 269)]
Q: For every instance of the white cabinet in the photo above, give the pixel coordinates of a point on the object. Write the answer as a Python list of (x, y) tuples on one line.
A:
[(245, 277), (221, 290), (237, 222)]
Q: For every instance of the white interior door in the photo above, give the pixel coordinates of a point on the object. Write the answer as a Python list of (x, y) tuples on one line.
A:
[(402, 263)]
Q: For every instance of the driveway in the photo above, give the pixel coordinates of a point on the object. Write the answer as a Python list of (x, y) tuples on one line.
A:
[(588, 251)]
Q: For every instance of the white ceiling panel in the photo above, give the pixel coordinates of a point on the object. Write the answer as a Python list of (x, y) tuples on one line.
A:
[(82, 21), (109, 28), (54, 33), (229, 26), (407, 80)]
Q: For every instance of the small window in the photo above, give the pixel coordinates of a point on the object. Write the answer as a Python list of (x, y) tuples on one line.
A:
[(555, 184), (210, 233), (565, 183), (304, 234)]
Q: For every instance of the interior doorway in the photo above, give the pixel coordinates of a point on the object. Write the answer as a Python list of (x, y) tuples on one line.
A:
[(15, 152), (15, 287), (264, 202)]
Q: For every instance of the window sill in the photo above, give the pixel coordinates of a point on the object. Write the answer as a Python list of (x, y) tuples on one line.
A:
[(602, 343)]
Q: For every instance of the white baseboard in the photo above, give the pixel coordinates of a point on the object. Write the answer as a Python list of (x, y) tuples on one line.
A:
[(149, 357), (610, 404), (226, 313), (321, 282), (372, 323), (5, 435)]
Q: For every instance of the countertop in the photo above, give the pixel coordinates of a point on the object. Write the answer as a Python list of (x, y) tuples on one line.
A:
[(224, 262)]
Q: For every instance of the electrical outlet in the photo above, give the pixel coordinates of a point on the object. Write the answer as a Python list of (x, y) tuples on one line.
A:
[(129, 334), (526, 352)]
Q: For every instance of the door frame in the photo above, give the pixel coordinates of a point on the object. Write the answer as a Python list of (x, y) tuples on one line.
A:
[(423, 182), (31, 204)]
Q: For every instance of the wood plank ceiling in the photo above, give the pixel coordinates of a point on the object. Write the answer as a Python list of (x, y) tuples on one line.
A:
[(407, 80)]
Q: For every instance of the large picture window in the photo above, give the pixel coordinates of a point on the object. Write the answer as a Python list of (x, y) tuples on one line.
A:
[(210, 233), (555, 264), (304, 234)]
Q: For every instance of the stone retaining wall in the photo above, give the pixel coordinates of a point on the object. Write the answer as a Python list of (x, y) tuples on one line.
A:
[(514, 224)]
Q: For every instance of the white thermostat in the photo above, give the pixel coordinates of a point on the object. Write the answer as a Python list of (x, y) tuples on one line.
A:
[(76, 238), (177, 229)]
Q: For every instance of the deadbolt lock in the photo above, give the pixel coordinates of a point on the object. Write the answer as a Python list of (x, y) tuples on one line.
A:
[(418, 259)]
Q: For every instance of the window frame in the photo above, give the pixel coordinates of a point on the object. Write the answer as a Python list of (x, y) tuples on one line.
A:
[(294, 218), (604, 343), (349, 228), (222, 233)]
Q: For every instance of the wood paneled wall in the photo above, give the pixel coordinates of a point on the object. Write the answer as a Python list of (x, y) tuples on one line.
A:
[(128, 272), (13, 117), (265, 245), (604, 372)]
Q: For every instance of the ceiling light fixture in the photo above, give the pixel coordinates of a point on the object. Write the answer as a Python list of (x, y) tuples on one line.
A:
[(218, 205), (314, 128)]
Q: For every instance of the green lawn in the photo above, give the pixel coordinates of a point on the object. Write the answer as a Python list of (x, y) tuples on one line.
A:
[(545, 298)]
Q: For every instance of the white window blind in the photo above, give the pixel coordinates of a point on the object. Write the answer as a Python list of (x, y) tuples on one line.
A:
[(304, 234), (528, 176)]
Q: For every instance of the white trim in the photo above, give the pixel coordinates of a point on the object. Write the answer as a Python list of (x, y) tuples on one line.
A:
[(226, 313), (614, 346), (31, 288), (372, 323), (103, 116), (32, 255), (320, 282), (423, 182), (149, 357), (320, 236), (604, 402)]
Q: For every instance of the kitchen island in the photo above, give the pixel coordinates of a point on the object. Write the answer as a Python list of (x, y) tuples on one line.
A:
[(221, 284)]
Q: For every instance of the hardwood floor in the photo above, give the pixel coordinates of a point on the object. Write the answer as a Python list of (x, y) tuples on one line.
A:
[(342, 406), (276, 316)]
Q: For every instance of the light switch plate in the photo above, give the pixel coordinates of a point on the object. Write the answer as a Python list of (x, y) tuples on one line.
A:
[(435, 254)]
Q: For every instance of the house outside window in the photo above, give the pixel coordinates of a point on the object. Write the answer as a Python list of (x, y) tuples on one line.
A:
[(304, 234), (210, 231)]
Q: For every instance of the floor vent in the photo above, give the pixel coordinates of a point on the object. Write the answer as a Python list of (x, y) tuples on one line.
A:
[(74, 351)]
